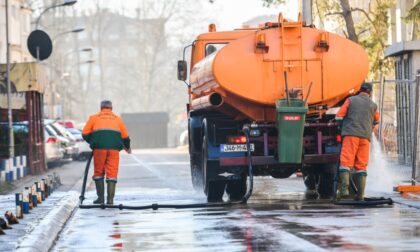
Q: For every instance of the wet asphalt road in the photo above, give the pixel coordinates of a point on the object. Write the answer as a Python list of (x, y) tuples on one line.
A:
[(277, 217)]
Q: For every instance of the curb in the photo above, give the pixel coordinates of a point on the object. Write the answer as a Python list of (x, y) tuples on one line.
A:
[(42, 237), (47, 231)]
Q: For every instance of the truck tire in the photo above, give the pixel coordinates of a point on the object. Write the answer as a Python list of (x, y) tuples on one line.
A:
[(196, 173), (319, 181), (325, 185), (236, 189), (213, 189), (310, 181)]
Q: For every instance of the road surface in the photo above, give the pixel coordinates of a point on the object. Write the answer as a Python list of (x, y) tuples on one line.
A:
[(277, 217)]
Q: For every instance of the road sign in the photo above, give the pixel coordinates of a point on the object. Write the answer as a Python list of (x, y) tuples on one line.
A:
[(39, 45)]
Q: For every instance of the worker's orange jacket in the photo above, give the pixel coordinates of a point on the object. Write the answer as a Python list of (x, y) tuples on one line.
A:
[(106, 130)]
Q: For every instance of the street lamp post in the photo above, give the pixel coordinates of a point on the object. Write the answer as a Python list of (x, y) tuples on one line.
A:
[(9, 87), (76, 30), (78, 64), (66, 3), (60, 71)]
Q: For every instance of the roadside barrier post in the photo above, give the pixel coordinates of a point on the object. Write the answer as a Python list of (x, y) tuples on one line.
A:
[(25, 201), (42, 185), (18, 199), (34, 196), (49, 182), (38, 192), (45, 188), (31, 205)]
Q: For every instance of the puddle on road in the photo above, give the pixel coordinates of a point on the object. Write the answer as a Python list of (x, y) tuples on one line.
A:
[(273, 220), (264, 224)]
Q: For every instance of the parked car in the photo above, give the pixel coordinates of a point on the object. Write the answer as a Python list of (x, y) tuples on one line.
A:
[(84, 149), (21, 131), (68, 142), (68, 123), (53, 149)]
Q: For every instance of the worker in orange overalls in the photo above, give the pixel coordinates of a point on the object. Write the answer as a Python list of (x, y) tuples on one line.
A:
[(107, 136), (357, 117)]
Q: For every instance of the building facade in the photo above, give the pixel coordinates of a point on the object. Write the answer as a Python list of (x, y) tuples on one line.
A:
[(19, 30)]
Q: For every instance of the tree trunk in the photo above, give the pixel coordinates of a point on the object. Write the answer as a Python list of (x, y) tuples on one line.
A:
[(351, 31)]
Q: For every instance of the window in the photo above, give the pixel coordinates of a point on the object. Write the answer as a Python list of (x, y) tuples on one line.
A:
[(214, 47)]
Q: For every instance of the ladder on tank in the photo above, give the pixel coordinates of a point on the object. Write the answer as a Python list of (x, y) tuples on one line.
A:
[(293, 31)]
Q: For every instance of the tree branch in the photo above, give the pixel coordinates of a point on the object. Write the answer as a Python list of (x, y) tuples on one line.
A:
[(334, 13)]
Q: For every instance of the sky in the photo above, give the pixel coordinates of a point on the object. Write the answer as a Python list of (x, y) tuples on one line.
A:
[(226, 14)]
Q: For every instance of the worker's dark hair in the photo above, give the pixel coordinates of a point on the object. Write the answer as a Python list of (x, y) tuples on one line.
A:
[(366, 87), (106, 104)]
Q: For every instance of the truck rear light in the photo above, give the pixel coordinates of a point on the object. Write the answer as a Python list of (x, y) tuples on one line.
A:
[(51, 140), (236, 139), (338, 138), (254, 132)]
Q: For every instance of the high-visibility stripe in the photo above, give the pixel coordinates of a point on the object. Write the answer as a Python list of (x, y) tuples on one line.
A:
[(116, 130), (344, 169)]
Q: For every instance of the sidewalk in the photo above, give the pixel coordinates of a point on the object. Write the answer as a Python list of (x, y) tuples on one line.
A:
[(71, 175)]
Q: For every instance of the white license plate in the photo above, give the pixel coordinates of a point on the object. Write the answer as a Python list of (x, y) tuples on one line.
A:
[(235, 147)]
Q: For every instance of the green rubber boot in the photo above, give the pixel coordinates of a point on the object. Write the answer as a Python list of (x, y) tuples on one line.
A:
[(100, 191), (343, 184), (111, 192), (360, 181)]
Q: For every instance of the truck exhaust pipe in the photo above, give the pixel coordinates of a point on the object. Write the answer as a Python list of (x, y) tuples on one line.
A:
[(213, 100)]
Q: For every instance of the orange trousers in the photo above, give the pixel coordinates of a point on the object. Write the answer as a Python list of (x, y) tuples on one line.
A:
[(355, 153), (106, 162)]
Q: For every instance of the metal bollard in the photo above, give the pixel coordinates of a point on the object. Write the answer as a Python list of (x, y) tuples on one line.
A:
[(50, 184), (34, 196), (25, 201), (18, 199), (31, 205), (44, 188), (38, 192)]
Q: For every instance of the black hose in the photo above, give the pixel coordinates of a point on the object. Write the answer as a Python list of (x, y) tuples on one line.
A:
[(82, 195), (156, 206), (250, 174)]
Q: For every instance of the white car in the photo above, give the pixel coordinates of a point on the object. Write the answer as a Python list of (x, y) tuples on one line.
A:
[(84, 149), (53, 150)]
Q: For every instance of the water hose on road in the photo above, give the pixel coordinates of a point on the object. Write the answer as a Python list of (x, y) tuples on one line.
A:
[(156, 206)]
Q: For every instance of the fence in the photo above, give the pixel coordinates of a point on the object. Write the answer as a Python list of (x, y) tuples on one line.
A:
[(399, 129)]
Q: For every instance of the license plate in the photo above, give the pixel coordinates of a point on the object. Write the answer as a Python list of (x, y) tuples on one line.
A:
[(235, 147)]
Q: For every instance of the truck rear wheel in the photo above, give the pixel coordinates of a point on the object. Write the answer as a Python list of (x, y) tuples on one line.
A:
[(319, 181), (325, 185), (213, 189), (196, 172), (236, 189)]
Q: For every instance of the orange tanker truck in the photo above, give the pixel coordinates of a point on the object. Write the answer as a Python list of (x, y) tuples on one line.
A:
[(276, 89)]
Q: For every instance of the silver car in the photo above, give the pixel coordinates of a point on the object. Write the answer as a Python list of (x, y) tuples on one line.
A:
[(84, 150), (68, 142)]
